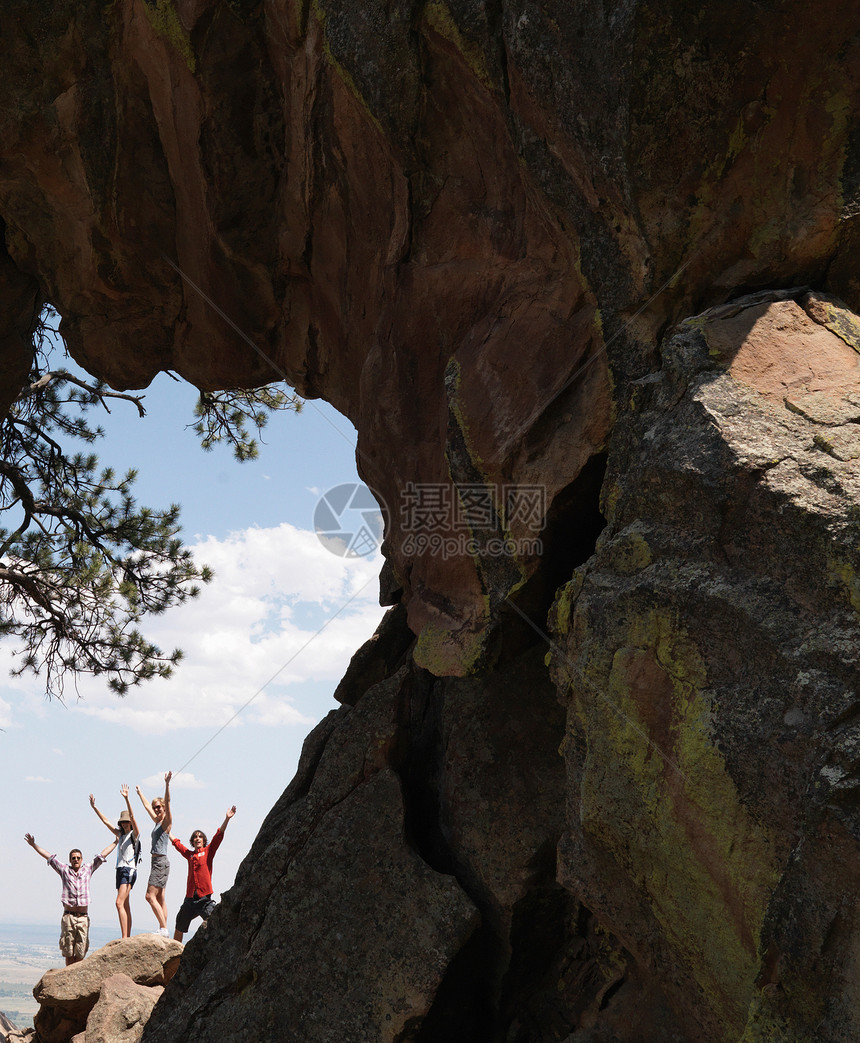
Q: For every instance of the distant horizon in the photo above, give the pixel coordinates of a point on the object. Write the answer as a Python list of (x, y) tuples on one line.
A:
[(27, 952), (53, 923), (48, 933)]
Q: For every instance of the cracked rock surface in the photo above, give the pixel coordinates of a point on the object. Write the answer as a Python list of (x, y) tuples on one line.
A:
[(601, 785), (710, 653)]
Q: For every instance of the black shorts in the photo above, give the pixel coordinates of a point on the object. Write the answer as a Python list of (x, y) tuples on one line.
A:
[(191, 908)]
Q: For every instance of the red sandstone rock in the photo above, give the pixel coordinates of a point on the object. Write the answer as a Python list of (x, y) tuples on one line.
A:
[(438, 226), (468, 226)]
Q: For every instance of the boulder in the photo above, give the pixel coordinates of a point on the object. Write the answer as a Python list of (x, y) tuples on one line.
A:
[(22, 1036), (6, 1026), (122, 1010), (68, 994), (347, 931)]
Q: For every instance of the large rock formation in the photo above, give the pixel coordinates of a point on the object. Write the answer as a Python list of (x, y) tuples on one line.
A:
[(711, 652), (478, 230)]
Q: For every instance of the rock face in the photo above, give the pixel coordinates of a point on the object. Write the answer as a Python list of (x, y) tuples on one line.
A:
[(483, 231), (710, 653), (442, 218), (378, 832)]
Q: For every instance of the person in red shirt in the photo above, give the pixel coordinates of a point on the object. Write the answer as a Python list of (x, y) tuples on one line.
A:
[(198, 887)]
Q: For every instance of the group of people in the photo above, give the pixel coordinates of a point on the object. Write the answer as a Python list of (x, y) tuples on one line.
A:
[(76, 874)]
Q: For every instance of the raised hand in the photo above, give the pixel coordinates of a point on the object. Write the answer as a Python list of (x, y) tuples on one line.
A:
[(31, 840)]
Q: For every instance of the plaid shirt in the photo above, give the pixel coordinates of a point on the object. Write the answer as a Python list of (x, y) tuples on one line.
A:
[(76, 885)]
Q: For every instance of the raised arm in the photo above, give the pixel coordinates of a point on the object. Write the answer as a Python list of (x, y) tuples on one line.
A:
[(124, 791), (109, 848), (167, 821), (230, 813), (109, 825), (146, 804), (31, 840)]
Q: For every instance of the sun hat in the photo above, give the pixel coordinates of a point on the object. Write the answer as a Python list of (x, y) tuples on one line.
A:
[(124, 816)]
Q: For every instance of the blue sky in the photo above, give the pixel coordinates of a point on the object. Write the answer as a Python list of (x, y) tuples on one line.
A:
[(275, 586)]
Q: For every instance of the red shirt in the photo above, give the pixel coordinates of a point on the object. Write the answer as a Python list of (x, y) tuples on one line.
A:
[(200, 865)]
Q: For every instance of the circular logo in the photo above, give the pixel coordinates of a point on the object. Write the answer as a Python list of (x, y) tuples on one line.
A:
[(349, 520)]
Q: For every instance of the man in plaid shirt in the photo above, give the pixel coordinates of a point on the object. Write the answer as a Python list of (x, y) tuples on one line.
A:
[(75, 925)]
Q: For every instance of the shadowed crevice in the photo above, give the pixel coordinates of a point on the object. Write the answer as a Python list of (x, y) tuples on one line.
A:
[(574, 521)]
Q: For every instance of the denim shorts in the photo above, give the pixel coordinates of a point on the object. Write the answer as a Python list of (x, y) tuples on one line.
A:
[(124, 875)]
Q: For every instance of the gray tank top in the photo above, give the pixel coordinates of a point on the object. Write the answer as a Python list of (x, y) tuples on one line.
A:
[(160, 841)]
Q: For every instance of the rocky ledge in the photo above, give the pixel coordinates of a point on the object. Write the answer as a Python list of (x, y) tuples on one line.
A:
[(106, 998)]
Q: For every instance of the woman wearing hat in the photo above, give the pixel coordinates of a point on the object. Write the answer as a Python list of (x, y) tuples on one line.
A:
[(127, 857)]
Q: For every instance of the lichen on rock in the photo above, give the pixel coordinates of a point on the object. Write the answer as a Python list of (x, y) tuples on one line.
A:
[(606, 252)]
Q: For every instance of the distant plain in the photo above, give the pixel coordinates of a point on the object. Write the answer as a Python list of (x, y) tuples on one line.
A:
[(26, 952)]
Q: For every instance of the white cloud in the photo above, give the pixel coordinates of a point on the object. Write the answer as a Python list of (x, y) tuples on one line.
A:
[(36, 778), (271, 712), (283, 615)]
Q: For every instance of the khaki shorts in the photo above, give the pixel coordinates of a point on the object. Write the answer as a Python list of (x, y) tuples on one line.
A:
[(74, 935)]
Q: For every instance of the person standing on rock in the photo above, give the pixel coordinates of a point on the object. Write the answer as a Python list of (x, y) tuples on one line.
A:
[(127, 857), (75, 924), (198, 888), (159, 812)]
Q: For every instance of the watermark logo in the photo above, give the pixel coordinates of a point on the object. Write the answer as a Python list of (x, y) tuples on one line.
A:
[(349, 521), (464, 507), (472, 520), (462, 545), (436, 519)]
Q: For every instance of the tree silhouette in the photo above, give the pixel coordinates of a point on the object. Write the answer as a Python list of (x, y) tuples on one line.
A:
[(81, 563)]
